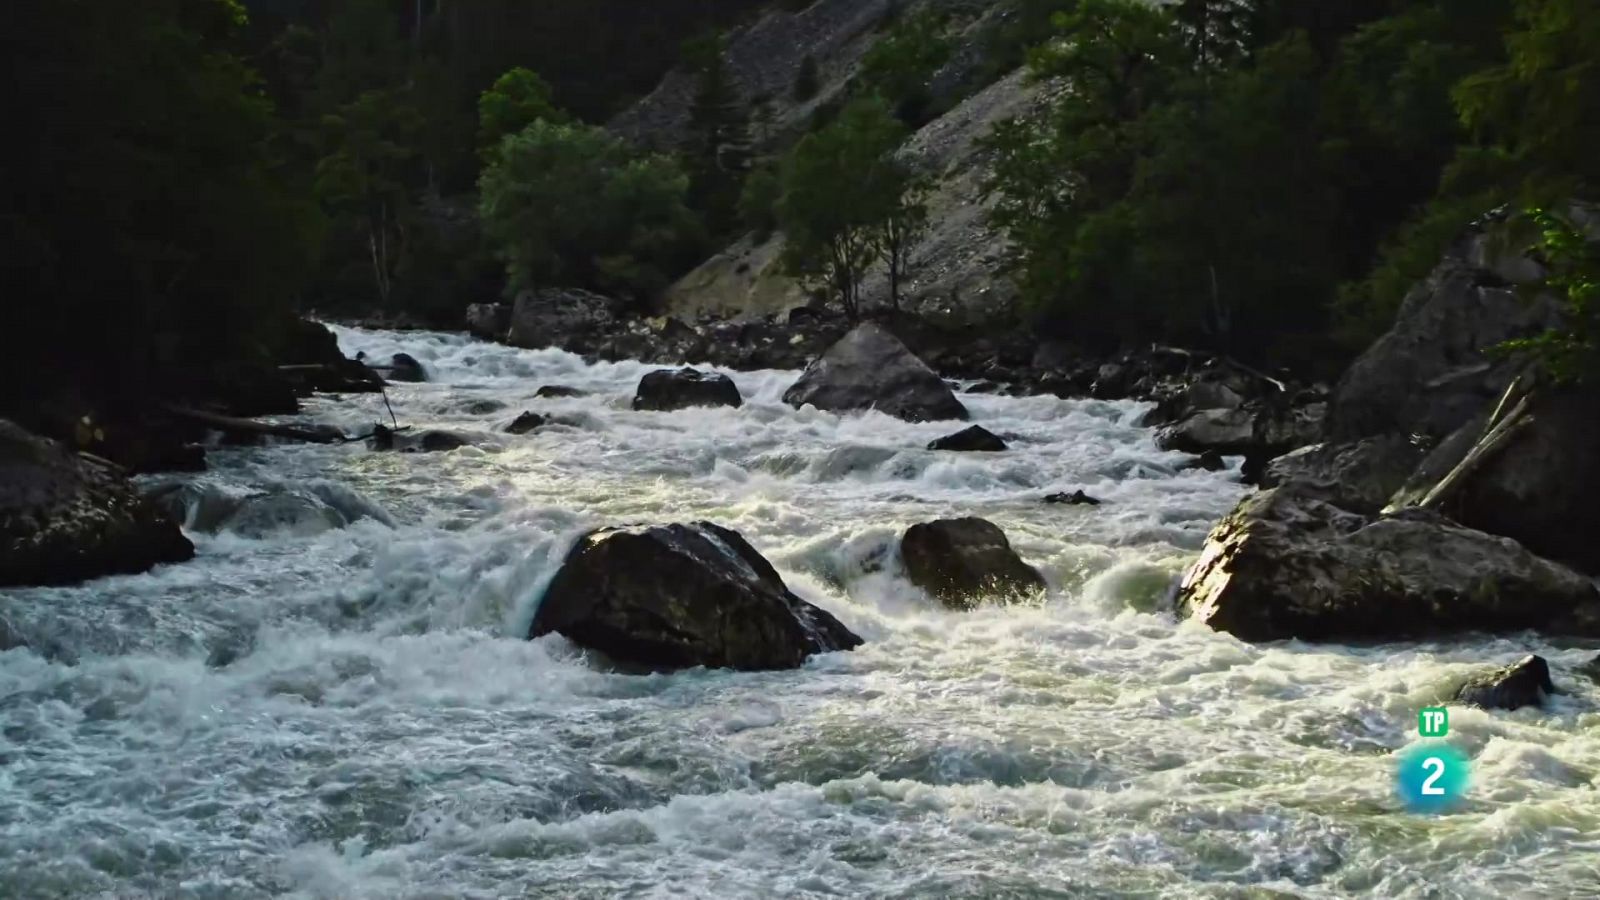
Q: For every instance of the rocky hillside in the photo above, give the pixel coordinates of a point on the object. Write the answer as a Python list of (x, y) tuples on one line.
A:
[(957, 265)]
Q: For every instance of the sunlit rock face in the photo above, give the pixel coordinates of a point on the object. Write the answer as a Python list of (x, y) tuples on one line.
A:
[(871, 369), (1286, 563)]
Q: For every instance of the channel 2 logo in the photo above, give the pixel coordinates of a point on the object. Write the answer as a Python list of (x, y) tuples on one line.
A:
[(1431, 777)]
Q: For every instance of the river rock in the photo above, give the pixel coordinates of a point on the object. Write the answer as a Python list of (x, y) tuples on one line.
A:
[(1209, 461), (385, 438), (962, 562), (1540, 487), (317, 365), (1287, 563), (1360, 475), (1230, 432), (528, 421), (405, 368), (675, 596), (1434, 370), (1523, 683), (489, 321), (567, 318), (1076, 498), (64, 519), (870, 369), (558, 392), (976, 439), (665, 390)]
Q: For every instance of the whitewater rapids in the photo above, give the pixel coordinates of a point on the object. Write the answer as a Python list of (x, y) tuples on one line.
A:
[(320, 711)]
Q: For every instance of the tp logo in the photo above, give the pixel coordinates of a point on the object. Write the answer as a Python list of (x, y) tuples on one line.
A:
[(1432, 777)]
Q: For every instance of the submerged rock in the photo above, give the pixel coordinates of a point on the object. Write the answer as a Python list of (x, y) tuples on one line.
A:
[(558, 391), (871, 369), (528, 421), (1287, 563), (1523, 683), (386, 438), (976, 439), (675, 596), (666, 390), (1076, 498), (64, 519), (1209, 461), (962, 562)]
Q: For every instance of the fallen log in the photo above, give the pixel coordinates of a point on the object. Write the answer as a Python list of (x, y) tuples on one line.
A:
[(252, 428)]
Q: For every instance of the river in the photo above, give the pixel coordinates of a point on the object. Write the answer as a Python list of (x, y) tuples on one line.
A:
[(319, 711)]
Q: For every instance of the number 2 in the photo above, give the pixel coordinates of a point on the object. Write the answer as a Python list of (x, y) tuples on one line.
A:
[(1437, 766)]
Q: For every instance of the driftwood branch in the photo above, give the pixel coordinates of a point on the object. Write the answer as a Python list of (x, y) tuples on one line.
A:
[(254, 429), (1491, 443)]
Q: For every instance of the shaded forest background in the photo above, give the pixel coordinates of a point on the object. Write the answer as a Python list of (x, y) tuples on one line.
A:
[(1266, 177)]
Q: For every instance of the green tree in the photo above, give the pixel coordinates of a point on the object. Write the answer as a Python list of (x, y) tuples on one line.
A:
[(1536, 117), (758, 201), (516, 100), (900, 66), (717, 152), (362, 176), (807, 80), (1570, 352), (149, 232), (842, 185), (567, 204)]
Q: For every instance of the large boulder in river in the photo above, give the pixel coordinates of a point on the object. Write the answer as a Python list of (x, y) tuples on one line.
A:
[(870, 369), (489, 321), (976, 439), (567, 318), (1286, 563), (1523, 683), (665, 390), (962, 562), (1359, 476), (65, 519), (1540, 488), (675, 596), (1434, 369)]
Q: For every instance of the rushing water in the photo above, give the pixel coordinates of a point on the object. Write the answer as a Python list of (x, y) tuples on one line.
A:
[(353, 711)]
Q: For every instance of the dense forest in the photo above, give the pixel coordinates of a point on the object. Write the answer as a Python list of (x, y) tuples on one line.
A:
[(1264, 176)]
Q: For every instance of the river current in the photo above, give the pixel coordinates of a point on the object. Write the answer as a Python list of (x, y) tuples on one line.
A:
[(342, 703)]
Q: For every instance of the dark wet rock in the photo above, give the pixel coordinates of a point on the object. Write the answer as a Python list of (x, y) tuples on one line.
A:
[(962, 562), (665, 390), (484, 407), (64, 519), (1539, 488), (559, 391), (282, 513), (404, 367), (1231, 432), (1591, 669), (1287, 563), (315, 364), (385, 438), (976, 439), (871, 369), (984, 387), (1209, 461), (1359, 476), (528, 421), (1523, 683), (675, 596), (489, 321), (1435, 369), (1076, 498), (570, 319)]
